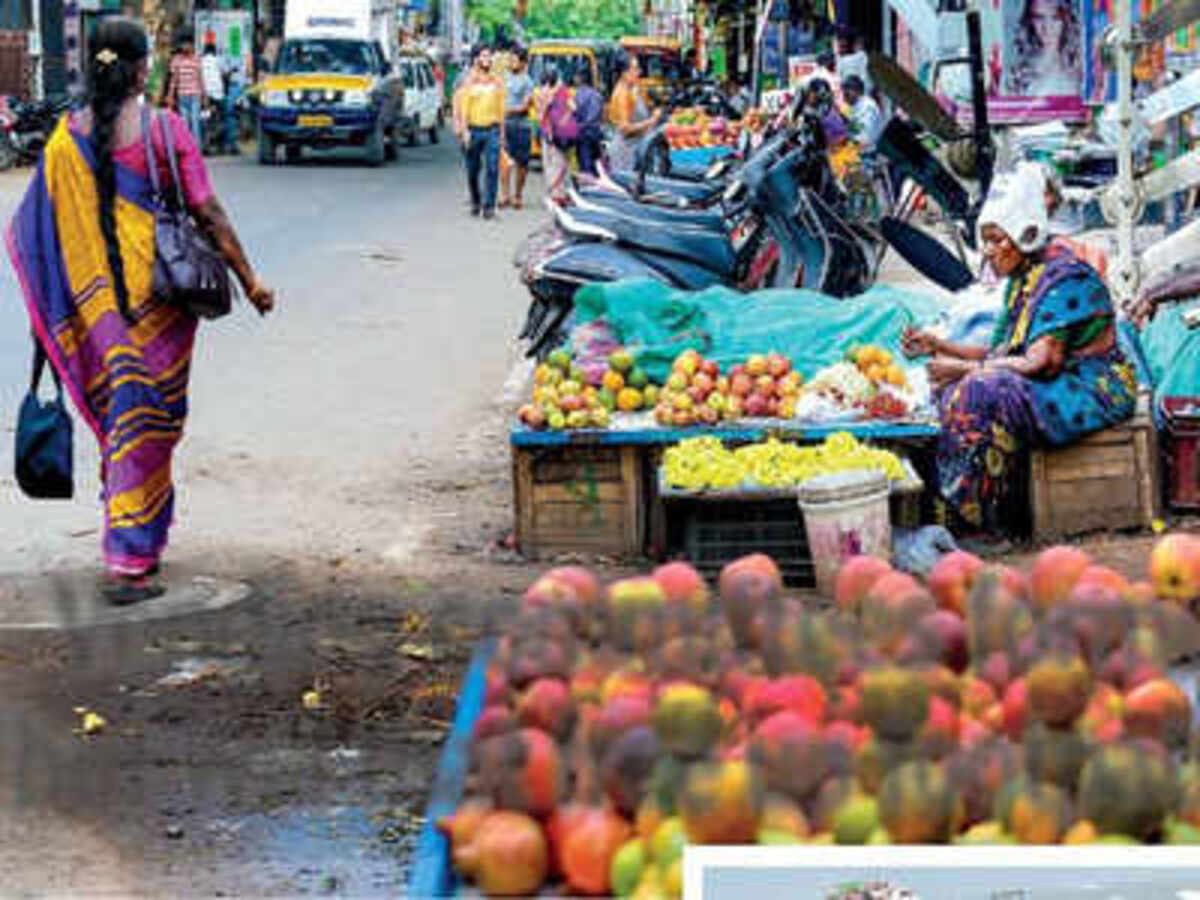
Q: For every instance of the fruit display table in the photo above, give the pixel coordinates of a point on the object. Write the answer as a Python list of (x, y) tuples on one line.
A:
[(597, 491)]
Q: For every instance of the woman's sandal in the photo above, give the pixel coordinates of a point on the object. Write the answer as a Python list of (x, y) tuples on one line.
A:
[(125, 591), (518, 203)]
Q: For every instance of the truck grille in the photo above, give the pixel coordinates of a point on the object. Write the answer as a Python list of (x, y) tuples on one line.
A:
[(314, 97)]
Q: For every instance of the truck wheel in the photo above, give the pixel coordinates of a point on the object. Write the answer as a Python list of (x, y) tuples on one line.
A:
[(375, 146), (391, 149), (414, 131), (435, 132), (266, 148), (292, 154)]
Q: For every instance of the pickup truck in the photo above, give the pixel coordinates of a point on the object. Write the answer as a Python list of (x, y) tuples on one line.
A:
[(327, 92)]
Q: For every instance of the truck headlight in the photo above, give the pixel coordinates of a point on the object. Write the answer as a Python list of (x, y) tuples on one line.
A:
[(355, 98), (275, 98)]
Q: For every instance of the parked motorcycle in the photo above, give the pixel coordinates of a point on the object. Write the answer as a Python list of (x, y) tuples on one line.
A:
[(778, 226), (26, 126)]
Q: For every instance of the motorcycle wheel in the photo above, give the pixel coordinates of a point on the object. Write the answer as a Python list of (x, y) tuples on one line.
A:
[(8, 153)]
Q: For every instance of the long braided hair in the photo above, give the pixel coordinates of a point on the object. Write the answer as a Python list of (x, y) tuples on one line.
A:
[(119, 48)]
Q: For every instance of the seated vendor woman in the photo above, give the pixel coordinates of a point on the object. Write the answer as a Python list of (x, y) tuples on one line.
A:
[(1052, 374)]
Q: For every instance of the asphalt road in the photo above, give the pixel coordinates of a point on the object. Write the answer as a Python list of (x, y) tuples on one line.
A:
[(313, 430)]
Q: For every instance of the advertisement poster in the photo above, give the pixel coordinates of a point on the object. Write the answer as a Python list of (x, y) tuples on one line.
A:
[(231, 30), (1045, 48)]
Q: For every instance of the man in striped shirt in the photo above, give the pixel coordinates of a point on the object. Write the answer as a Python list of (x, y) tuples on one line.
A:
[(187, 87)]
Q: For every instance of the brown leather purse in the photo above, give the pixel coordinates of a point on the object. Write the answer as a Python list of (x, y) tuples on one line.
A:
[(189, 272)]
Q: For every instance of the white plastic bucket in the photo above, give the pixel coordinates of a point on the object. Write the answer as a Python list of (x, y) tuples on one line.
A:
[(845, 514)]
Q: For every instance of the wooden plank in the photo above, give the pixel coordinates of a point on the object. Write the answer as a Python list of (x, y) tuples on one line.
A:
[(583, 491), (634, 512), (523, 495), (432, 874)]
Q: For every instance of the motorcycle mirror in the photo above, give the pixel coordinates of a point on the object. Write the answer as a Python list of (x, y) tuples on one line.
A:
[(900, 145), (731, 192), (911, 96), (926, 255)]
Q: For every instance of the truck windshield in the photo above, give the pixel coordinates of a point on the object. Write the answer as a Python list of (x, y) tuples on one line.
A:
[(344, 57)]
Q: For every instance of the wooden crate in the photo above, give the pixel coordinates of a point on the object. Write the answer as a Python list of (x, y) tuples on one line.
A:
[(579, 499), (1108, 480)]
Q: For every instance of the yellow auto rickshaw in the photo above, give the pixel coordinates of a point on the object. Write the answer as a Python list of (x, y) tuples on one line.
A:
[(660, 60)]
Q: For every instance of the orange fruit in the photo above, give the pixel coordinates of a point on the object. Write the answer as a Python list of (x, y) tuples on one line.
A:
[(614, 381)]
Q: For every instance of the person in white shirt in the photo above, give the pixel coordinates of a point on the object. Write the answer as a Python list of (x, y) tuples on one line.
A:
[(865, 116)]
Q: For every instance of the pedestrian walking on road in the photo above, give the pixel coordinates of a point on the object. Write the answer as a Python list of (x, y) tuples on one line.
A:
[(82, 242), (518, 134), (589, 113), (478, 118), (186, 94), (213, 70), (559, 134)]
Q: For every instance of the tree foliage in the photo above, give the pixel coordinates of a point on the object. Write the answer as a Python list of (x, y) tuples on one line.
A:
[(609, 19)]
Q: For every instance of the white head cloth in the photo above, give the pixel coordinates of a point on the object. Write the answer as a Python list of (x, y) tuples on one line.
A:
[(1016, 204)]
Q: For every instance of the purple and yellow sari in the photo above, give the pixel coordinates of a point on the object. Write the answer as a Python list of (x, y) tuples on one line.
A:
[(128, 381), (991, 419)]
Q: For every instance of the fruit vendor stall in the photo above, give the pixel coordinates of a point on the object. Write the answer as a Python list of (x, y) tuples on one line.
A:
[(656, 448), (607, 727)]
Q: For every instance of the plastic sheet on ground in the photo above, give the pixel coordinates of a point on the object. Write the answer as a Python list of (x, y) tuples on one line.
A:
[(657, 323)]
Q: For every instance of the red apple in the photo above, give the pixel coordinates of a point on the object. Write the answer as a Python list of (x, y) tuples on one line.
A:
[(778, 365), (765, 385), (741, 384), (756, 365), (756, 406)]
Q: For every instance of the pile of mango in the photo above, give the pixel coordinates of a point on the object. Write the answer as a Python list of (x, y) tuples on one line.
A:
[(983, 705)]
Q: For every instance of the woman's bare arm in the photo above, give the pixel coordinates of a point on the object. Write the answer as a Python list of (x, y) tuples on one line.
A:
[(211, 216), (1043, 359)]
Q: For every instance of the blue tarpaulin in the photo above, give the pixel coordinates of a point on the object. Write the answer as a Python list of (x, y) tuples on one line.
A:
[(814, 330)]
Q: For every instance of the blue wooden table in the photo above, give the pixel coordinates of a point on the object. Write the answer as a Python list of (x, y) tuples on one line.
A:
[(432, 874), (745, 430)]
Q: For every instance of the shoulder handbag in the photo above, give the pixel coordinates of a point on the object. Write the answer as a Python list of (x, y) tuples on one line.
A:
[(44, 458), (189, 272)]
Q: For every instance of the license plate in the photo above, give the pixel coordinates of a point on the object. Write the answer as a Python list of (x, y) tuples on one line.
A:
[(314, 121)]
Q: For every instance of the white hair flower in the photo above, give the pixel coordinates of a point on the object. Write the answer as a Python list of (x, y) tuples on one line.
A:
[(106, 57)]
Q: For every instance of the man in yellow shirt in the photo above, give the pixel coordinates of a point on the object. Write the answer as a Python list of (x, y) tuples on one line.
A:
[(478, 116)]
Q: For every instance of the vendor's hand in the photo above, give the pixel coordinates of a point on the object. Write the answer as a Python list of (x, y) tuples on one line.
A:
[(944, 370), (918, 343), (1142, 312)]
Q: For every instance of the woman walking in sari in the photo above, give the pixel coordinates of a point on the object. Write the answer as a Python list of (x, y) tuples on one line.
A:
[(1052, 374), (82, 243), (555, 144)]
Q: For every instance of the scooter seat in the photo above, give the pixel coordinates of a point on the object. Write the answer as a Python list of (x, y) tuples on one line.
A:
[(601, 201), (692, 191), (709, 249)]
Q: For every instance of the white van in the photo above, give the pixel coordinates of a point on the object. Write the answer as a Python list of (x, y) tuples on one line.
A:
[(422, 97)]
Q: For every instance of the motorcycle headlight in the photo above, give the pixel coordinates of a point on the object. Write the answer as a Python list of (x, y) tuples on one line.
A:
[(275, 98), (355, 98)]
